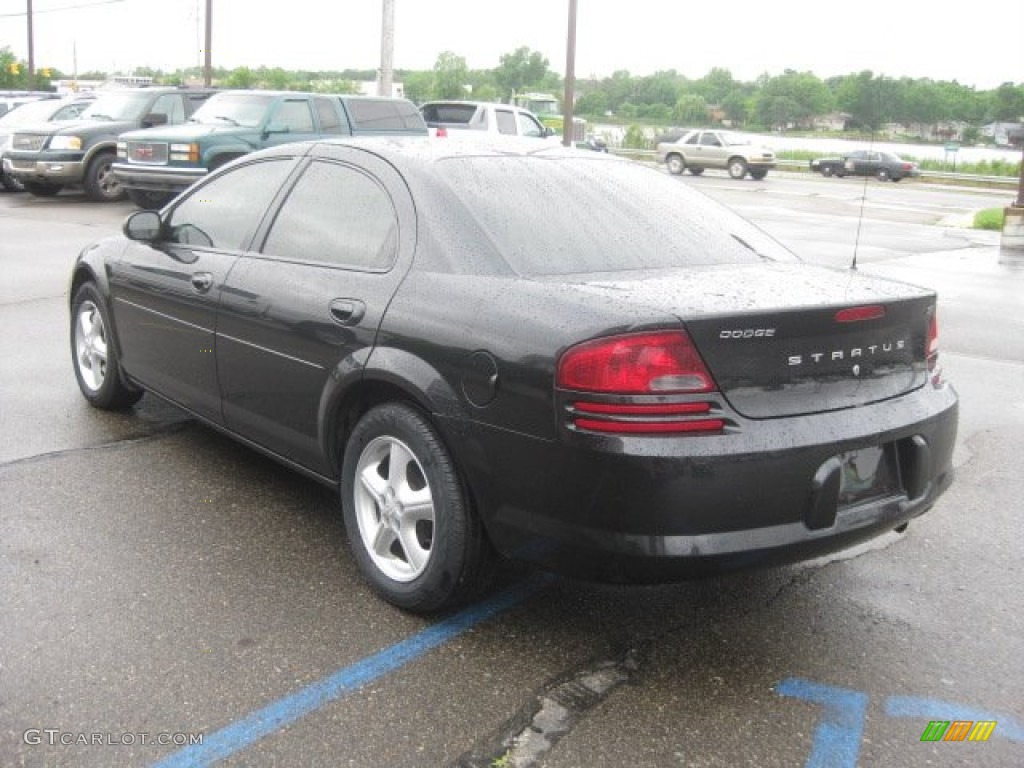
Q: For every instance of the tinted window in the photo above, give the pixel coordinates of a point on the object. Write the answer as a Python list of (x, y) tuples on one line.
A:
[(336, 214), (443, 113), (710, 140), (330, 120), (384, 115), (225, 213), (295, 115), (506, 121), (529, 211)]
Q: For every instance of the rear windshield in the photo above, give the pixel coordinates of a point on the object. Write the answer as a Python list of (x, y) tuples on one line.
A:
[(384, 115), (567, 215), (448, 113)]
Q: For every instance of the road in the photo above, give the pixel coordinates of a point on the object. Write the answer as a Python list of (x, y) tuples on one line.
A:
[(159, 579)]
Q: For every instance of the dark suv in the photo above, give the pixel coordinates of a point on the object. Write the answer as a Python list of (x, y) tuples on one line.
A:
[(47, 158), (154, 165)]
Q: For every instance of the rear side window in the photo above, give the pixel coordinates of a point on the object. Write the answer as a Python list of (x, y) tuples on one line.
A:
[(338, 215), (506, 121), (384, 115)]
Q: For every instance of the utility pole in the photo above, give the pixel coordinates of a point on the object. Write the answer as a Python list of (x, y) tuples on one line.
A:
[(31, 51), (385, 84), (208, 59), (570, 79)]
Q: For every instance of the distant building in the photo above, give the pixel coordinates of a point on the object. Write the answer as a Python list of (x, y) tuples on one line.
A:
[(1004, 134)]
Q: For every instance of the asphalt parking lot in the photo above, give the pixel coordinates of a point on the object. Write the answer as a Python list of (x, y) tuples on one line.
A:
[(164, 586)]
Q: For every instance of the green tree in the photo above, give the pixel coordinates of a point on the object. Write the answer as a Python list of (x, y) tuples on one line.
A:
[(1007, 104), (737, 107), (716, 86), (241, 77), (419, 86), (793, 97), (690, 109), (450, 76), (594, 104), (519, 69), (634, 138), (9, 78)]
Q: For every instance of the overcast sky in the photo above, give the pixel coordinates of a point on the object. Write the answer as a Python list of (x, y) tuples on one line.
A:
[(974, 44)]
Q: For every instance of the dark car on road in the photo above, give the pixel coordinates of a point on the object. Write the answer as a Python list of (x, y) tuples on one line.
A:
[(424, 327), (155, 164), (863, 162)]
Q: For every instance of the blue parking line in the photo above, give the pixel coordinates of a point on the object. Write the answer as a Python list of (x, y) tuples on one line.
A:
[(933, 709), (837, 737), (283, 712)]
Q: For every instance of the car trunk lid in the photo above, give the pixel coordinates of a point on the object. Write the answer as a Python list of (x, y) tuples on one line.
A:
[(789, 340)]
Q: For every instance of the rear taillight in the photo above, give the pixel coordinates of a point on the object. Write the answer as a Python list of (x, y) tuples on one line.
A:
[(932, 350), (442, 132), (664, 363)]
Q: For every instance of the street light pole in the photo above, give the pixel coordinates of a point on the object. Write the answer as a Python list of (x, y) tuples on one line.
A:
[(570, 78)]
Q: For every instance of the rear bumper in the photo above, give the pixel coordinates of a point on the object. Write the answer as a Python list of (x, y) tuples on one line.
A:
[(660, 509), (158, 178)]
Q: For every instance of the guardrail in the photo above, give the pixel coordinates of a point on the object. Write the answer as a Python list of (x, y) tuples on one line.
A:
[(802, 166)]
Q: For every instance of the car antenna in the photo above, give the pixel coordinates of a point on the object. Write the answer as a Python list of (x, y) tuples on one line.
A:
[(864, 192)]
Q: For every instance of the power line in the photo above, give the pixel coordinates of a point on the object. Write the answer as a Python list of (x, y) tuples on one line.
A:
[(62, 8)]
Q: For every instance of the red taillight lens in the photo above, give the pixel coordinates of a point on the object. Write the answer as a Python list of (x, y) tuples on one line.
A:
[(932, 350), (635, 364), (639, 364), (442, 132)]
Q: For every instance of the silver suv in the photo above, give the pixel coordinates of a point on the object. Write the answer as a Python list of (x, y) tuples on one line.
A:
[(726, 150)]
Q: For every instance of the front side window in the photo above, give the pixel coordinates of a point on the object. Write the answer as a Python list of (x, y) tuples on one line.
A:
[(293, 115), (330, 122), (171, 105), (710, 140), (336, 214), (528, 126), (224, 213)]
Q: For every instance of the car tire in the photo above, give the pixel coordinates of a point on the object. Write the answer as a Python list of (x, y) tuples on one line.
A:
[(883, 174), (423, 560), (42, 188), (10, 183), (695, 171), (896, 178), (94, 355), (827, 170), (676, 164), (737, 168), (100, 183), (149, 201), (758, 175)]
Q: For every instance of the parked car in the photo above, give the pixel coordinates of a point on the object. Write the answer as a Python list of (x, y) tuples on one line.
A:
[(46, 157), (424, 327), (699, 150), (863, 162), (155, 164), (32, 112), (483, 119)]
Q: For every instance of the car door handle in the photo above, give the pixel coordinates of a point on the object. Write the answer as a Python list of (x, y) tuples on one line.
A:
[(201, 281), (347, 311)]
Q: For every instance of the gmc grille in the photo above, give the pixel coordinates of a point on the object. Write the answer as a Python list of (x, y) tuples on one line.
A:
[(150, 152)]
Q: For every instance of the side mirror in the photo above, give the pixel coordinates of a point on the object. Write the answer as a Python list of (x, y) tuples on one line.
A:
[(548, 131), (153, 119), (143, 226)]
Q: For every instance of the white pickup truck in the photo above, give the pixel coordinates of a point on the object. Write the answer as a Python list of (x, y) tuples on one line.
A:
[(447, 118)]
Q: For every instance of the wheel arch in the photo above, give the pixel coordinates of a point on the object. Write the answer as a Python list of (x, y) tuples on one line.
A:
[(390, 375)]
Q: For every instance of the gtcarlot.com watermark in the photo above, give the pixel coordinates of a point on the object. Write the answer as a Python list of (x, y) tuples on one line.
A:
[(55, 737)]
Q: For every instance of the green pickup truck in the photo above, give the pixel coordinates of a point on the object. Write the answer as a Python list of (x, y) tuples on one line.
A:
[(155, 164)]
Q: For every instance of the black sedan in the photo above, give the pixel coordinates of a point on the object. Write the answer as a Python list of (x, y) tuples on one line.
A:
[(883, 165), (507, 351)]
